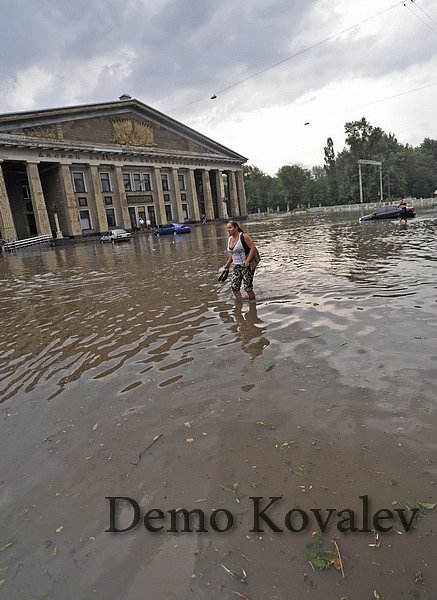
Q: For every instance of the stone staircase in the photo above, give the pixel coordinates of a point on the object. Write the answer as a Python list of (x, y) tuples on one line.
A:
[(33, 241)]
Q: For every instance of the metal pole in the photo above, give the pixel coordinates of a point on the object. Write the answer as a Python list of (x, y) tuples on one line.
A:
[(380, 183), (361, 182)]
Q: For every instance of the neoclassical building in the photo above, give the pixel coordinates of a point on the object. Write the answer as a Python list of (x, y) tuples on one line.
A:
[(82, 170)]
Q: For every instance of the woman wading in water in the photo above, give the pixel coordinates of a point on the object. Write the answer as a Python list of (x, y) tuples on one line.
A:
[(242, 272)]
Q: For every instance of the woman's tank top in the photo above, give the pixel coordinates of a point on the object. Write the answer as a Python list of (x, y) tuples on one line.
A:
[(237, 252)]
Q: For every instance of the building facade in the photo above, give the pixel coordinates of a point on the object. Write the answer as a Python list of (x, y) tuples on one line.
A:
[(82, 170)]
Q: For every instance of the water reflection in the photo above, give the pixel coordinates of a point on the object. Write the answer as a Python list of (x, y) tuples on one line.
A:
[(250, 330), (247, 328)]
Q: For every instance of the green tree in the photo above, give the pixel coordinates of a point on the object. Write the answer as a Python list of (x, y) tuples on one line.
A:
[(292, 180), (262, 190), (331, 171)]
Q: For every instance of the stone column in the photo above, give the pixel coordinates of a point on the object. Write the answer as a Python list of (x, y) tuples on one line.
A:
[(158, 195), (7, 225), (176, 203), (38, 201), (241, 193), (122, 199), (71, 208), (221, 204), (209, 208), (98, 199), (233, 197), (193, 200)]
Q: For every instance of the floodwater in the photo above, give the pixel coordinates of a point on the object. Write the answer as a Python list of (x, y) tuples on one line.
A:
[(322, 391)]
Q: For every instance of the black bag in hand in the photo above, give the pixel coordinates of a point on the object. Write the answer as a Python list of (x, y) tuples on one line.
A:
[(223, 275)]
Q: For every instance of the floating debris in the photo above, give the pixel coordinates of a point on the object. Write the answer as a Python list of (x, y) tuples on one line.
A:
[(235, 575)]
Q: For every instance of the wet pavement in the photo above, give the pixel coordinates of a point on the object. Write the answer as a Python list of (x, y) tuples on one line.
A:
[(322, 392)]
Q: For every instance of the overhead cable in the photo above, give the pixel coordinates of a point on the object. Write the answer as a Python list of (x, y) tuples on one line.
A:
[(324, 41)]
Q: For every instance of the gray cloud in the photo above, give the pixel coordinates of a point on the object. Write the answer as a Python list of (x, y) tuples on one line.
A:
[(169, 53)]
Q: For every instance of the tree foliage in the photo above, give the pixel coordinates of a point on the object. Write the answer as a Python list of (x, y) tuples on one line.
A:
[(406, 171)]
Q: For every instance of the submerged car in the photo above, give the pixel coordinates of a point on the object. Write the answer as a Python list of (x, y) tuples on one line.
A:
[(116, 235), (388, 212), (172, 229)]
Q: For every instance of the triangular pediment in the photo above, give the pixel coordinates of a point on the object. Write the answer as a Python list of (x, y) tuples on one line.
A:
[(123, 124)]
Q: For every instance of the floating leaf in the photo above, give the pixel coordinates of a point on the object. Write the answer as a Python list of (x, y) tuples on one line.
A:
[(95, 426), (240, 595), (261, 425), (428, 505), (422, 507), (190, 440), (59, 529)]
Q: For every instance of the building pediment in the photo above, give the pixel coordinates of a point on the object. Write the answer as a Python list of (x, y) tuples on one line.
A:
[(126, 123)]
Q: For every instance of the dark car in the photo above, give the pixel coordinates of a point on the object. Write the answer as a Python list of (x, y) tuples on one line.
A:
[(388, 212), (172, 229)]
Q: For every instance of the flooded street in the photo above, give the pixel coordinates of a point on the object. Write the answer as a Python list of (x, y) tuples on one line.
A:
[(322, 392)]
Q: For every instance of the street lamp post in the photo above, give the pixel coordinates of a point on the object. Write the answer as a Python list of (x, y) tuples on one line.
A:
[(362, 161)]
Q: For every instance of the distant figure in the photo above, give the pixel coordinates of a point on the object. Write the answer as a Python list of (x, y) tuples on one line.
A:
[(402, 211), (202, 219), (148, 223), (54, 234), (141, 223)]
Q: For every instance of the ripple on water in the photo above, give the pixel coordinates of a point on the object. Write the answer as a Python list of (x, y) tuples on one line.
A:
[(89, 312)]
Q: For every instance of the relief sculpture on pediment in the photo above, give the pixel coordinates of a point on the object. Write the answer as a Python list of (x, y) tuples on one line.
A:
[(39, 132), (129, 132)]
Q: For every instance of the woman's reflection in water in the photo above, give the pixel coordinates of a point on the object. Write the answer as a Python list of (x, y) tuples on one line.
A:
[(248, 329)]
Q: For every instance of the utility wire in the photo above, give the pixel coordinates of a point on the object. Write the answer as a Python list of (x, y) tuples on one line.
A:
[(420, 18), (403, 93), (426, 14), (328, 39), (235, 84)]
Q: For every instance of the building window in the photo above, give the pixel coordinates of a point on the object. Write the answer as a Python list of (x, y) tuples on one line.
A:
[(26, 192), (82, 201), (166, 197), (165, 185), (185, 210), (183, 197), (108, 200), (79, 182), (105, 182), (85, 219), (168, 213), (137, 183), (182, 182), (29, 207), (110, 218), (127, 182), (147, 182)]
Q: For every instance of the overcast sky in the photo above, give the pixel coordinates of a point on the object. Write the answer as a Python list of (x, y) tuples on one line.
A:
[(175, 54)]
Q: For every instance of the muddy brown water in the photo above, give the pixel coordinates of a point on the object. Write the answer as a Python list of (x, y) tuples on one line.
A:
[(322, 392)]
